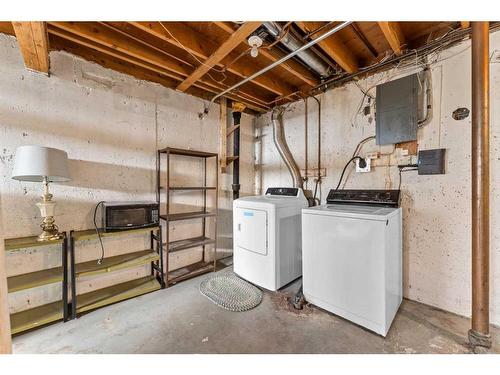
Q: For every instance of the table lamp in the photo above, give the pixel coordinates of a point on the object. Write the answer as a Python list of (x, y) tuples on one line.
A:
[(43, 164)]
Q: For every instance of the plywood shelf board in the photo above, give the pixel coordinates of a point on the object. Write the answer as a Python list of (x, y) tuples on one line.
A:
[(187, 215), (36, 317), (189, 243), (34, 279), (116, 293), (190, 271), (116, 263)]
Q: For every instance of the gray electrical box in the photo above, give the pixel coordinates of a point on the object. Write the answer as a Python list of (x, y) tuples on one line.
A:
[(397, 110), (431, 161)]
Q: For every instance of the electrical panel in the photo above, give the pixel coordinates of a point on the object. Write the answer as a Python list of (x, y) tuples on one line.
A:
[(431, 161), (397, 110)]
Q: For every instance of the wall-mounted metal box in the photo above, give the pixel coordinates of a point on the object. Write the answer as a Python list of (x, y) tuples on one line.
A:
[(397, 110), (431, 161)]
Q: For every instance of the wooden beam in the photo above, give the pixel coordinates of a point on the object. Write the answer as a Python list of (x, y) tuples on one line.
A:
[(394, 35), (98, 37), (34, 44), (5, 335), (181, 35), (231, 43), (464, 24), (333, 46), (272, 55)]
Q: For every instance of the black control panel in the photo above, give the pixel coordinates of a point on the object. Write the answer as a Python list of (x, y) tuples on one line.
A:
[(287, 192), (384, 198)]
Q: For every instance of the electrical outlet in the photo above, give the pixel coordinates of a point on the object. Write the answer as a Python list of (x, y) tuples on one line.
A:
[(365, 169)]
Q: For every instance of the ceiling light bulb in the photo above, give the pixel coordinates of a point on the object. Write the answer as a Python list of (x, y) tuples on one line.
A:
[(255, 42), (254, 52)]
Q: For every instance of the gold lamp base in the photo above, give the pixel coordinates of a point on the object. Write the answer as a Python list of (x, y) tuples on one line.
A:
[(49, 234), (47, 209)]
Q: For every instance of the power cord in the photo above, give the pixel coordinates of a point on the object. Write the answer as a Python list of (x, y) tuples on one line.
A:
[(362, 164), (99, 261)]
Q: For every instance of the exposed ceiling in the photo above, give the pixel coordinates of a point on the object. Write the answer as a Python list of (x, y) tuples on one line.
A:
[(205, 58)]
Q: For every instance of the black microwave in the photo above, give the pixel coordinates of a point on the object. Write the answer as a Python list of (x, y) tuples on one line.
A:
[(129, 215)]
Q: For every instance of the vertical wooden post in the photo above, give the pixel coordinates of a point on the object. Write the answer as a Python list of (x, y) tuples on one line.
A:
[(5, 335), (223, 135), (480, 166)]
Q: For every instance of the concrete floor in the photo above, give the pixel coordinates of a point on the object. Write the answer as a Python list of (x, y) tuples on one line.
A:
[(181, 320)]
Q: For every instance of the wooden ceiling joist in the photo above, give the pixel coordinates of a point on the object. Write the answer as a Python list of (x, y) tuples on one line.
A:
[(98, 37), (225, 48), (180, 35), (394, 35), (333, 46), (34, 44)]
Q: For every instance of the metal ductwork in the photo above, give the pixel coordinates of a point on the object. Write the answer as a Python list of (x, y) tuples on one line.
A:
[(292, 44), (282, 147)]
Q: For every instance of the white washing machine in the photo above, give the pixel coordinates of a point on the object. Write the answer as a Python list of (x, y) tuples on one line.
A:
[(267, 244), (352, 256)]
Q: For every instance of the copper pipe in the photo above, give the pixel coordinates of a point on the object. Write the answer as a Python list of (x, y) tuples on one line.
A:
[(479, 333)]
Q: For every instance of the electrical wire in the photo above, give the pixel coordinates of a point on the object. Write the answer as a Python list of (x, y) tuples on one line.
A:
[(98, 232), (361, 161)]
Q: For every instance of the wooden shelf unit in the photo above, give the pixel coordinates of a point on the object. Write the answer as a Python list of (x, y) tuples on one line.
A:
[(118, 292), (198, 268), (40, 315)]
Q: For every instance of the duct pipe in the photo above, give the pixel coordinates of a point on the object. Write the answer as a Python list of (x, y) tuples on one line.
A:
[(283, 59), (292, 44), (282, 147), (479, 333)]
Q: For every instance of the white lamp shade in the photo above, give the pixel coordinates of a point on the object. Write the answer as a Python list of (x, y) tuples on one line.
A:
[(33, 163)]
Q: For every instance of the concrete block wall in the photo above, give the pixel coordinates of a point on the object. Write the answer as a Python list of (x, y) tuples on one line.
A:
[(437, 209), (111, 125)]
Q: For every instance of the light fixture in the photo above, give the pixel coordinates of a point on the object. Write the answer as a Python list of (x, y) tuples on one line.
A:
[(255, 42), (43, 164)]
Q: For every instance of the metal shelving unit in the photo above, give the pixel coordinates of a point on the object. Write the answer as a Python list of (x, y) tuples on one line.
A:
[(44, 314), (105, 296), (198, 268)]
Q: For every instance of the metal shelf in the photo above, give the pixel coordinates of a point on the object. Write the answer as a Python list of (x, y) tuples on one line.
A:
[(116, 263), (116, 293), (189, 243), (187, 215), (191, 187), (30, 241), (178, 151), (35, 279), (80, 235), (190, 271), (36, 317)]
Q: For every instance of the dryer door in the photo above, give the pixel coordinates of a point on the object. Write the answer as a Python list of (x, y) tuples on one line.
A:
[(250, 230)]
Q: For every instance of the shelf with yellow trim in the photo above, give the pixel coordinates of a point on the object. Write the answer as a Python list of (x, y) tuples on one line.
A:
[(116, 293), (34, 279), (116, 263), (36, 317)]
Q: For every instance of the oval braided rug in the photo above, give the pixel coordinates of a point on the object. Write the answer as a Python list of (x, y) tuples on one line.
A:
[(230, 292)]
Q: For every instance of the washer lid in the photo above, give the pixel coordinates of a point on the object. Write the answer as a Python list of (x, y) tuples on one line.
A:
[(271, 200), (353, 211)]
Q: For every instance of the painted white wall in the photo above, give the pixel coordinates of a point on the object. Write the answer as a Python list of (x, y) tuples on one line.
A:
[(437, 209), (111, 125)]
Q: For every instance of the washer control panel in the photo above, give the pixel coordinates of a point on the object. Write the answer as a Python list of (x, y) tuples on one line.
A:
[(386, 198), (283, 191)]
